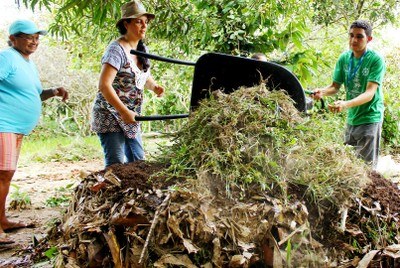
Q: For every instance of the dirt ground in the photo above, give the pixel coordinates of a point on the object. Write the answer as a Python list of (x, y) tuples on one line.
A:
[(41, 182)]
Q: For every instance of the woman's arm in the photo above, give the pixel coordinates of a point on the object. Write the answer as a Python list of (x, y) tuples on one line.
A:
[(107, 76), (152, 85), (52, 92)]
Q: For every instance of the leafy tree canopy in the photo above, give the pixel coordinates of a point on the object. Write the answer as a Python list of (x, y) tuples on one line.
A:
[(283, 28)]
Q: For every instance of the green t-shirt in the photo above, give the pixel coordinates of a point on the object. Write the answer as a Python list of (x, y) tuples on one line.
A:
[(370, 69)]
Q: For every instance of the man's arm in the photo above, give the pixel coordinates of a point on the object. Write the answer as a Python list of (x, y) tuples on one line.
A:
[(330, 90), (365, 97)]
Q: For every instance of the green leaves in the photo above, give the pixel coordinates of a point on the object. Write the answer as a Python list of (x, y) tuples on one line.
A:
[(51, 252), (279, 29), (344, 12), (305, 36)]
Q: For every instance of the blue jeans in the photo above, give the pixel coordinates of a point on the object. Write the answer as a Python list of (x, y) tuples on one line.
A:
[(119, 149)]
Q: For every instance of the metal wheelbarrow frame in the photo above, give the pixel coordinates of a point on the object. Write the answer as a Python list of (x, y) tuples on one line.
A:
[(217, 71)]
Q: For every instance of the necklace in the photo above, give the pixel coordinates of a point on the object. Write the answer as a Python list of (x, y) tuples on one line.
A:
[(352, 72)]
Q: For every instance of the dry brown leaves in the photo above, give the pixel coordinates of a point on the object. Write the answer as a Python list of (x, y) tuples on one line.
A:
[(131, 216), (141, 225)]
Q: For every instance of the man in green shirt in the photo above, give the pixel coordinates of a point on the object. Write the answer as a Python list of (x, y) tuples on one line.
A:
[(361, 71)]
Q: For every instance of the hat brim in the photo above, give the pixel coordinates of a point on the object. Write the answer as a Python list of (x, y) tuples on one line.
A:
[(150, 16), (41, 32), (33, 31)]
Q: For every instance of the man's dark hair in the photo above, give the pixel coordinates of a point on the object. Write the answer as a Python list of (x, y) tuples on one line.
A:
[(363, 24), (258, 56)]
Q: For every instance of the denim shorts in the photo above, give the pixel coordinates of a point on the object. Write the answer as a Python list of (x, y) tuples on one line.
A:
[(119, 149)]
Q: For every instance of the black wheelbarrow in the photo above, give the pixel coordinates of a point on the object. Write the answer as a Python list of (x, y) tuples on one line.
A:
[(216, 71)]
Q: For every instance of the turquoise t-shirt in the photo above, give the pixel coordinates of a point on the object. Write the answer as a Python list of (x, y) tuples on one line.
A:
[(20, 89), (369, 68)]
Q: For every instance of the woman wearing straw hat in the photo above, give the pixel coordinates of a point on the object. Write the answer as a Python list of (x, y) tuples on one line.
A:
[(123, 78)]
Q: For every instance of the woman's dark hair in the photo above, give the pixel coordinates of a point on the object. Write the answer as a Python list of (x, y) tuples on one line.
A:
[(121, 27), (145, 62)]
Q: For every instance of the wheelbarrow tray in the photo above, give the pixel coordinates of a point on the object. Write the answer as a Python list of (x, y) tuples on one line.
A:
[(217, 71)]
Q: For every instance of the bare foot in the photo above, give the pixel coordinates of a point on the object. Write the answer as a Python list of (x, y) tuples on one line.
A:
[(11, 226), (4, 239)]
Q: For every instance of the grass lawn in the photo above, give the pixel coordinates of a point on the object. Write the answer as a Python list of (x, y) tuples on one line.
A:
[(61, 149)]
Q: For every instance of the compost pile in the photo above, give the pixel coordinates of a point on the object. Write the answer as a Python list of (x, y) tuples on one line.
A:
[(247, 182)]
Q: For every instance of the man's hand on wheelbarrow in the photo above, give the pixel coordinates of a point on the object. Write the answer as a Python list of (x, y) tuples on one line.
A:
[(316, 94)]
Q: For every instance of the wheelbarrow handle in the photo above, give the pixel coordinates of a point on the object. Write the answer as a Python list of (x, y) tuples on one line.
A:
[(160, 58), (310, 92), (160, 117)]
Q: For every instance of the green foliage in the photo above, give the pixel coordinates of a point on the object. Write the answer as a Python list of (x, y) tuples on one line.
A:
[(48, 149), (380, 231), (391, 90), (225, 151), (305, 36), (345, 12), (55, 68), (19, 199), (256, 137), (51, 252), (62, 197), (58, 201), (52, 149), (288, 251), (234, 27), (391, 126), (319, 159), (177, 81)]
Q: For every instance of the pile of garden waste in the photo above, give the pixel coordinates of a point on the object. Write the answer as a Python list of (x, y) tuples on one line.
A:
[(248, 181)]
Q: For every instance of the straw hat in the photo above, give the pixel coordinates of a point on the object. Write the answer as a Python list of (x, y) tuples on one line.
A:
[(133, 10)]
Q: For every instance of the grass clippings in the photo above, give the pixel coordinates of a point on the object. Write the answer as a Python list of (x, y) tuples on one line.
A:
[(256, 136), (248, 182)]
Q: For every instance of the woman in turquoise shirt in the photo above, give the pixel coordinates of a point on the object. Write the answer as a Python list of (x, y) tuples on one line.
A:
[(21, 94)]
